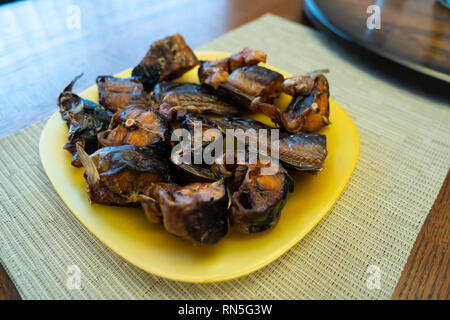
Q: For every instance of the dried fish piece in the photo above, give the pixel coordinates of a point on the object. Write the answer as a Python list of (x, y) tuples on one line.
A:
[(233, 172), (304, 152), (162, 88), (139, 126), (257, 198), (176, 100), (302, 85), (216, 72), (242, 80), (196, 212), (206, 130), (117, 175), (190, 173), (309, 109), (166, 59), (255, 87), (247, 83), (257, 205), (84, 119), (116, 94)]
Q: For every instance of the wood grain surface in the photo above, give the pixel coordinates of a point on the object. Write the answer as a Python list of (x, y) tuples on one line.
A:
[(426, 274), (412, 32), (39, 55), (7, 289)]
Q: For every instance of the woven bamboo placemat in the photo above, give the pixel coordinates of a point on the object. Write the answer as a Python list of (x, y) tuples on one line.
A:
[(404, 157)]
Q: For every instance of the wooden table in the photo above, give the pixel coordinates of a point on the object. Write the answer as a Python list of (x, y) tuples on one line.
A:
[(39, 54)]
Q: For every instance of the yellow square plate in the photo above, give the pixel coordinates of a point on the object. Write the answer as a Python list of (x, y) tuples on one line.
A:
[(127, 232)]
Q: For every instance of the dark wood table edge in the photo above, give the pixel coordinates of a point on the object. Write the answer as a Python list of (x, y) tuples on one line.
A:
[(7, 288), (425, 274)]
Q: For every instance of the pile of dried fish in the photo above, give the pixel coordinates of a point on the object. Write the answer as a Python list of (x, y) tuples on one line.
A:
[(124, 142)]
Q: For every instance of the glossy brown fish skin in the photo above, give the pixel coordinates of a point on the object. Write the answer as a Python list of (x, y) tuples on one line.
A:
[(196, 212), (117, 175), (257, 198), (216, 72), (309, 109), (244, 124), (162, 88), (116, 94), (257, 205), (138, 125), (208, 128), (233, 173), (304, 152), (254, 81), (191, 172), (176, 100), (166, 59), (254, 88), (240, 78), (84, 119)]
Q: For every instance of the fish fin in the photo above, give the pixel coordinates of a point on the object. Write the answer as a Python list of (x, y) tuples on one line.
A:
[(72, 83), (151, 208), (91, 171)]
